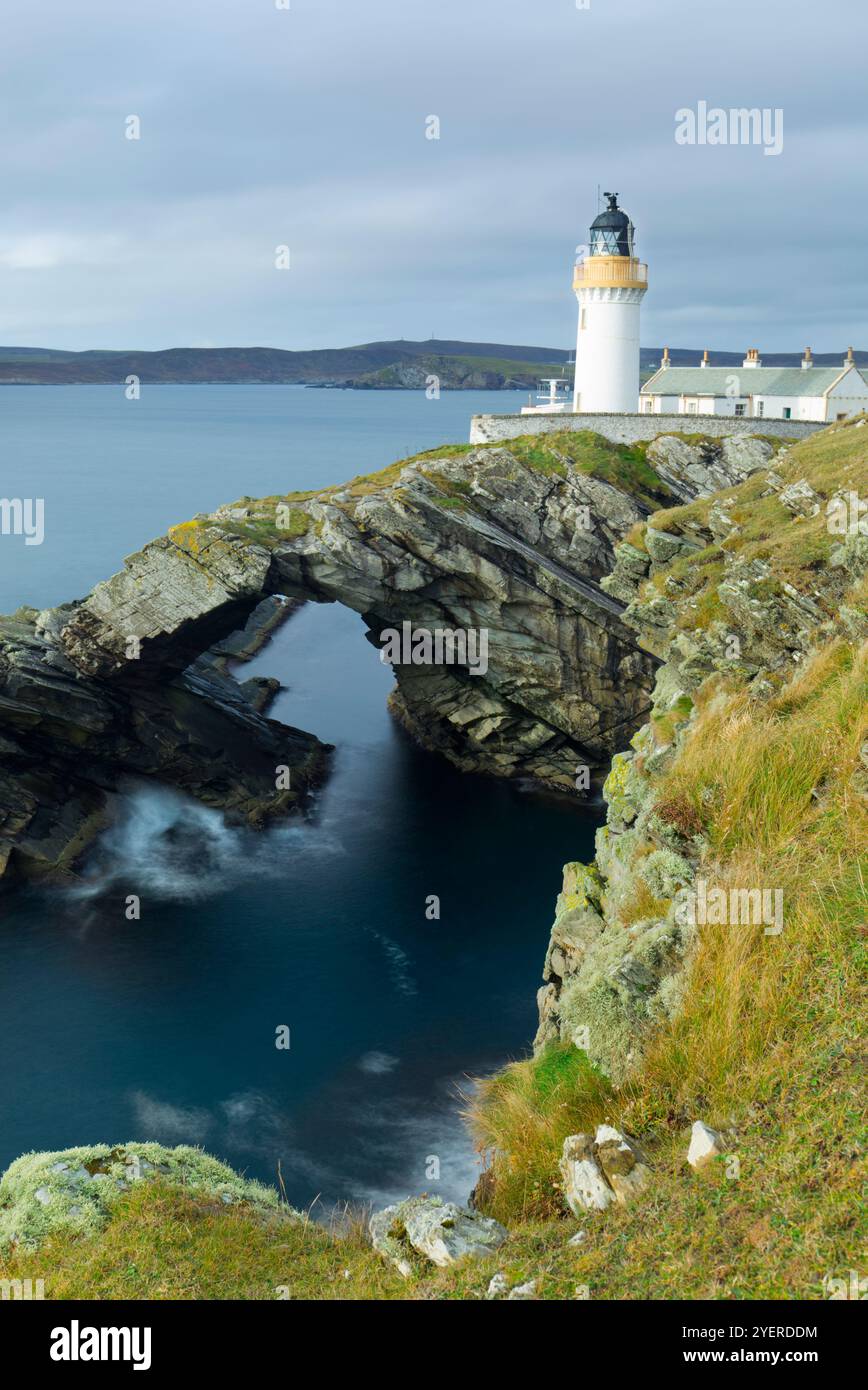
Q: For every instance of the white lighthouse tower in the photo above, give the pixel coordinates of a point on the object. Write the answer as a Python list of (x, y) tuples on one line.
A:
[(610, 284)]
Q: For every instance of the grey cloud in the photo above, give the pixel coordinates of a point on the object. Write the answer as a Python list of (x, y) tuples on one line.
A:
[(306, 127)]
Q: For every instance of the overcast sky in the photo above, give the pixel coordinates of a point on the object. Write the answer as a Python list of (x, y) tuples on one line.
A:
[(306, 127)]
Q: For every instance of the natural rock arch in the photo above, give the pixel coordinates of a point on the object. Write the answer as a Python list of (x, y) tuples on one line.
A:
[(498, 546), (514, 540)]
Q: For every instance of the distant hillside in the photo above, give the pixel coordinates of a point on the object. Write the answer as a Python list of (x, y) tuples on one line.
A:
[(370, 366), (400, 365)]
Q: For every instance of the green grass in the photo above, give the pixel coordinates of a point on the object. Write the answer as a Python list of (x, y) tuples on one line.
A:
[(163, 1242), (620, 465), (299, 523), (520, 1117)]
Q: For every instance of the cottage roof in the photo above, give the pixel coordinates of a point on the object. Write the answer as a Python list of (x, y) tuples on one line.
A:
[(752, 381)]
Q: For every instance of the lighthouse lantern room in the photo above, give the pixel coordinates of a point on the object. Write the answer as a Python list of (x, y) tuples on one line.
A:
[(610, 284)]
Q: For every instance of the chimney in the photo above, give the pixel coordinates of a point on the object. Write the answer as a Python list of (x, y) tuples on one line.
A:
[(664, 362), (753, 358), (849, 359), (704, 362), (807, 360)]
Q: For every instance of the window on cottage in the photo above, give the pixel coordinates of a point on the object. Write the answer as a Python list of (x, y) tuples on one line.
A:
[(760, 407), (740, 407), (788, 414)]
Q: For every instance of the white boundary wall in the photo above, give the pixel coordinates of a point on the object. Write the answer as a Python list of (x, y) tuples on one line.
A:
[(627, 429)]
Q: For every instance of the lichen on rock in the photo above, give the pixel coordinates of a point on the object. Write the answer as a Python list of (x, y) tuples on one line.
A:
[(595, 1172), (74, 1190), (429, 1230)]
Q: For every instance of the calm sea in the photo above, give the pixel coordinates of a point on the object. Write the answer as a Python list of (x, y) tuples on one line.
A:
[(165, 1028)]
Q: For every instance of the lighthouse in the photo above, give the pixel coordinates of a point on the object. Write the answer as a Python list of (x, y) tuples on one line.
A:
[(610, 284)]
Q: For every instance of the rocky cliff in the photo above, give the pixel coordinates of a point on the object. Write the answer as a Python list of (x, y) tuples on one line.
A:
[(732, 592)]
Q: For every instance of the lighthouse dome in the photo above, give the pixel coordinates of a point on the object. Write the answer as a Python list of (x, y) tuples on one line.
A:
[(612, 232)]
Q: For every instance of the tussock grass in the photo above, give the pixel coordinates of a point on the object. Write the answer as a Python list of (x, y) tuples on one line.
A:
[(766, 1040), (787, 815), (642, 905), (520, 1117)]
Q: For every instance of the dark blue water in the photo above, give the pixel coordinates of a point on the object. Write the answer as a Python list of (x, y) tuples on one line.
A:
[(165, 1028)]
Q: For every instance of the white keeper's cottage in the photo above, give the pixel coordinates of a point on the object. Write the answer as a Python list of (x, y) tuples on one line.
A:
[(757, 392)]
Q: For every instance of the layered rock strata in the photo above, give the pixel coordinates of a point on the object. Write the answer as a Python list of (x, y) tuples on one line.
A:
[(510, 542)]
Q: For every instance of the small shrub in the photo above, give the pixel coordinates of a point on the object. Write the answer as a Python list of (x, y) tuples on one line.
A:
[(681, 814)]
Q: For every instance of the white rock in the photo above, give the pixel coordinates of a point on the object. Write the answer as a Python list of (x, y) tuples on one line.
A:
[(444, 1232), (800, 498), (578, 1239), (584, 1186), (705, 1144), (527, 1290), (497, 1286), (42, 1195), (607, 1134), (386, 1237), (622, 1162), (439, 1231)]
